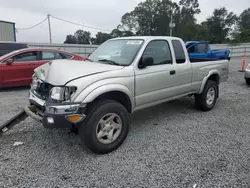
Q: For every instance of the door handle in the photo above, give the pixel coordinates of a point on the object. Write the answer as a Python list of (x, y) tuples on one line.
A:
[(172, 72)]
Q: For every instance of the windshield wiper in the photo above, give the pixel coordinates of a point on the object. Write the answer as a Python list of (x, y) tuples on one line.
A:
[(89, 59), (109, 61)]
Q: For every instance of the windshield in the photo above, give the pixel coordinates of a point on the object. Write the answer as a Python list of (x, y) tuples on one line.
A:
[(117, 52)]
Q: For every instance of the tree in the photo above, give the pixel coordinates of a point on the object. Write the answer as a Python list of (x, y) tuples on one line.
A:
[(118, 33), (101, 37), (82, 37), (191, 7), (151, 17), (220, 24), (186, 20), (242, 33), (244, 20), (70, 39)]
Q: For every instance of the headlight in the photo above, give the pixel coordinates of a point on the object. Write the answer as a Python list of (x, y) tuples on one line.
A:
[(34, 82), (62, 93), (56, 93)]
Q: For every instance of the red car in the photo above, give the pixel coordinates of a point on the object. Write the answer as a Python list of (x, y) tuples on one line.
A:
[(16, 68)]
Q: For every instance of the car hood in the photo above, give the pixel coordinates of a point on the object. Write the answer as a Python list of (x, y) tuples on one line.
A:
[(60, 72)]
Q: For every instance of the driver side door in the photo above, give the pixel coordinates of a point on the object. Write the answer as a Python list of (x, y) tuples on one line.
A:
[(20, 71), (155, 83)]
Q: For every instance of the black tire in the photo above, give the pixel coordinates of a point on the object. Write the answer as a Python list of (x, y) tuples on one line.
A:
[(248, 81), (201, 99), (87, 131)]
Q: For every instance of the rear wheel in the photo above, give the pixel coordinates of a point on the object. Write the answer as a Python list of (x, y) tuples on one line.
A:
[(248, 81), (106, 126), (207, 99)]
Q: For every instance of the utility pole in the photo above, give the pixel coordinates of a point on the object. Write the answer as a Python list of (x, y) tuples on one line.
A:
[(170, 25), (50, 38)]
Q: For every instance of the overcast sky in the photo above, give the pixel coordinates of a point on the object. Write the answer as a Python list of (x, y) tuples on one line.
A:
[(104, 14)]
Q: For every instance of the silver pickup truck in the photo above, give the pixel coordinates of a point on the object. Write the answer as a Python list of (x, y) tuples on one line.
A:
[(121, 76)]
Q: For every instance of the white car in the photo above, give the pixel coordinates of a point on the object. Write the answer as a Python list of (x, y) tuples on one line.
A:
[(247, 74)]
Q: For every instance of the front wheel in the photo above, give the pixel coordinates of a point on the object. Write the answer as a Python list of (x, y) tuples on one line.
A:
[(207, 99), (248, 81), (106, 126)]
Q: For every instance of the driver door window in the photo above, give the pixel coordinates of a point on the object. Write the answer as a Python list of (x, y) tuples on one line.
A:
[(160, 52)]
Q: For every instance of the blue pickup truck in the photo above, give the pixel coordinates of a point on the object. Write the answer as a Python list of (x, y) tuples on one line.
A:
[(200, 50)]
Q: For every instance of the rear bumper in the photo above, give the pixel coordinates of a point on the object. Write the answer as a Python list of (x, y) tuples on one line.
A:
[(54, 115)]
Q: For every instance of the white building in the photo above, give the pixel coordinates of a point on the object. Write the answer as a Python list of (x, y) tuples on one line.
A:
[(7, 31)]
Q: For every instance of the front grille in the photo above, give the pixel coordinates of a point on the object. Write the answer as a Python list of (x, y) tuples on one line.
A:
[(43, 89)]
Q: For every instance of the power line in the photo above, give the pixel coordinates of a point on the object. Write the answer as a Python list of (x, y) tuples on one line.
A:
[(91, 27), (33, 25)]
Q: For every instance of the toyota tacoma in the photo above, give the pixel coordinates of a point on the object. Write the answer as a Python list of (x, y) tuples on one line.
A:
[(121, 76)]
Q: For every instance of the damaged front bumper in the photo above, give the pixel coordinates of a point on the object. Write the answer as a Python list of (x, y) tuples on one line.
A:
[(55, 115)]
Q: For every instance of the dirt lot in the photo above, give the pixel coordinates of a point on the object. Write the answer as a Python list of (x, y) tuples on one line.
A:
[(171, 145)]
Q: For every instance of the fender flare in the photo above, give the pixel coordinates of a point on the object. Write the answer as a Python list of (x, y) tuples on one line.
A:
[(204, 81), (91, 96)]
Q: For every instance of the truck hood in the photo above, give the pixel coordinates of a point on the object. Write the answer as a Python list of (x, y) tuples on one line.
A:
[(59, 72)]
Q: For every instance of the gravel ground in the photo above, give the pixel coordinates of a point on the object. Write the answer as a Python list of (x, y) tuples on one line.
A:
[(171, 145)]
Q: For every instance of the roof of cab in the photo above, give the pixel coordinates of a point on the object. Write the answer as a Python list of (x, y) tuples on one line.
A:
[(146, 37)]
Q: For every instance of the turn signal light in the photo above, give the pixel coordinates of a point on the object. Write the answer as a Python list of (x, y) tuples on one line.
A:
[(74, 118)]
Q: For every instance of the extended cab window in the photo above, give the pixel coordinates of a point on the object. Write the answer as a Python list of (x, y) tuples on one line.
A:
[(159, 50), (51, 55), (178, 51), (27, 56)]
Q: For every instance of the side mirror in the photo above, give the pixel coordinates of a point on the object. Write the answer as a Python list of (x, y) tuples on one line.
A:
[(9, 61), (146, 61)]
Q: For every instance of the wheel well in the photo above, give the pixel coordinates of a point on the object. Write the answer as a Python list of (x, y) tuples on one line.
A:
[(215, 78), (118, 96)]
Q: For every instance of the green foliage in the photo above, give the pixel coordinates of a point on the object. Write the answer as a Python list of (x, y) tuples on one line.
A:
[(220, 25), (101, 37), (70, 39), (242, 32), (152, 17), (82, 37), (244, 21)]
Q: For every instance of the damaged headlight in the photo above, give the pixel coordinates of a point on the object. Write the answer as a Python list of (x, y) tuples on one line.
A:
[(62, 93), (34, 83)]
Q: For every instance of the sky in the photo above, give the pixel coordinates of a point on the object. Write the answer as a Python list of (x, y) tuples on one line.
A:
[(105, 14)]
